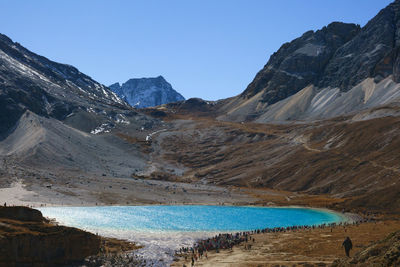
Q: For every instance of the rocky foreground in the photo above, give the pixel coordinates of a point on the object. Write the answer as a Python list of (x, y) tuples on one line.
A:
[(28, 239), (382, 253)]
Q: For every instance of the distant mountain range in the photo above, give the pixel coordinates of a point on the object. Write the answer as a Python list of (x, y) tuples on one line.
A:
[(146, 92)]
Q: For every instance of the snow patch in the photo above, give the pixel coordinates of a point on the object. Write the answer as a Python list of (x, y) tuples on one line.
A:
[(105, 127), (121, 119), (150, 136)]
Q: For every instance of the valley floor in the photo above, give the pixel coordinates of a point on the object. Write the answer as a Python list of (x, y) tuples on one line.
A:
[(302, 248), (117, 191), (105, 191)]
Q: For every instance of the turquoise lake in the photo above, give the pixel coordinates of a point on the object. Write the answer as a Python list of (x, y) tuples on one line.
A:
[(186, 218)]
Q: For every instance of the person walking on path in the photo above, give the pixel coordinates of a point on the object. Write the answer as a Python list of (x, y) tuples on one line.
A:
[(347, 246)]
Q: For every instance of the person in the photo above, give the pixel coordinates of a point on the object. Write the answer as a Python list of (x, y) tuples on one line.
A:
[(347, 246)]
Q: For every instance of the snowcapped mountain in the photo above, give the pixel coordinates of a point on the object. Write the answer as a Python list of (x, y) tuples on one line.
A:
[(146, 92)]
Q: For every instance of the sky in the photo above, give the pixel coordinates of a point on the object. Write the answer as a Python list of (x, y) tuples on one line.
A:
[(210, 49)]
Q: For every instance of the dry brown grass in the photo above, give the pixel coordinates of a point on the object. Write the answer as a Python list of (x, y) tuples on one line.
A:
[(356, 162), (317, 247), (113, 245)]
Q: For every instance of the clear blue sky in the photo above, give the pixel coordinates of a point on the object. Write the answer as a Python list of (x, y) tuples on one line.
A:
[(210, 48)]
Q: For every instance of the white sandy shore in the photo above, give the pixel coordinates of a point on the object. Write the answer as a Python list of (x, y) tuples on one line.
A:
[(18, 195), (117, 191)]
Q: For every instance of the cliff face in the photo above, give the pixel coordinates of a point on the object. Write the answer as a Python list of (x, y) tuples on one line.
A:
[(26, 239), (338, 70), (339, 55), (300, 62), (373, 52), (147, 92)]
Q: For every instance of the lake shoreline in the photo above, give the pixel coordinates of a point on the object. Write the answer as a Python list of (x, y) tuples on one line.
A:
[(344, 217), (163, 244)]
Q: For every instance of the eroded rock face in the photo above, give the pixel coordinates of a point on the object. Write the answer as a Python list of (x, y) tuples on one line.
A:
[(26, 240), (340, 55), (300, 62), (373, 52)]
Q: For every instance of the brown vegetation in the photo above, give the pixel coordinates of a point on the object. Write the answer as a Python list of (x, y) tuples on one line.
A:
[(38, 243), (354, 161), (313, 247), (382, 253)]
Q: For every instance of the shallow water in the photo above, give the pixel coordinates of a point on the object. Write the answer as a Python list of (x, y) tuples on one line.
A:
[(163, 229), (185, 218)]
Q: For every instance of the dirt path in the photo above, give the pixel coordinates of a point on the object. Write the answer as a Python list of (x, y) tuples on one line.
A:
[(302, 140)]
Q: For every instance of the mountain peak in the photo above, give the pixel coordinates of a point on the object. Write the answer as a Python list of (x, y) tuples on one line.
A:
[(327, 72), (338, 55), (146, 92)]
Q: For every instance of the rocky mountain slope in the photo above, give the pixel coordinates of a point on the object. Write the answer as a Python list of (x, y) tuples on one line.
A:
[(32, 82), (147, 92), (39, 143), (331, 99), (354, 161), (336, 70), (53, 118)]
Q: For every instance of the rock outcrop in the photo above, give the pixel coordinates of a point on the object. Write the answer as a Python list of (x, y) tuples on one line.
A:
[(26, 239), (147, 92), (337, 70), (299, 63), (373, 52), (20, 213), (383, 253)]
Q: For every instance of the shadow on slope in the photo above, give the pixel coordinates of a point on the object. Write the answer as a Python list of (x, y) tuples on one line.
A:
[(45, 143)]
